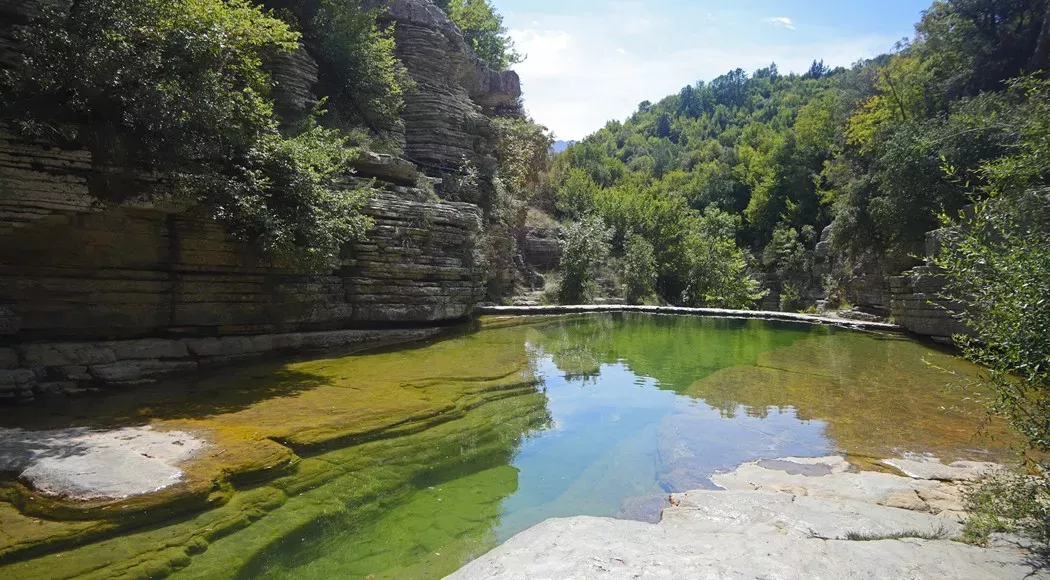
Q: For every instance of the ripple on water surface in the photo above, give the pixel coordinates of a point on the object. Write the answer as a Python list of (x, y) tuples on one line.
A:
[(409, 463)]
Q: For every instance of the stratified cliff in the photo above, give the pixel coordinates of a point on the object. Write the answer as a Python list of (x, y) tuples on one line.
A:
[(72, 269)]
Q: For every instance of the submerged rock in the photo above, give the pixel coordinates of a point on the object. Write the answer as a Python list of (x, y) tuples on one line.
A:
[(789, 518)]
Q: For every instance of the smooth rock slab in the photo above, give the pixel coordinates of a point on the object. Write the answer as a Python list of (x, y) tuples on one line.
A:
[(85, 464), (839, 483), (587, 547), (929, 468), (786, 518)]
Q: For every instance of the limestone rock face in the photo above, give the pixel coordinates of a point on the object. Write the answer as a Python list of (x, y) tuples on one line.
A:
[(447, 116), (916, 303), (789, 518), (542, 249), (75, 272)]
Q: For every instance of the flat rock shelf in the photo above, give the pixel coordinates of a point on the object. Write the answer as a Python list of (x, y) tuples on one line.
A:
[(785, 518)]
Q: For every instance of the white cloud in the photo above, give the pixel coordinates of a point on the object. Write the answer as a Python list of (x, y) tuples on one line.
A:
[(783, 21)]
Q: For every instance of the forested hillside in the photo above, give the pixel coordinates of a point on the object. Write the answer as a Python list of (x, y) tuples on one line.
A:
[(878, 151)]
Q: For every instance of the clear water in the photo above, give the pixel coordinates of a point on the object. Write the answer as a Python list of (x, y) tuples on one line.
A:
[(620, 410)]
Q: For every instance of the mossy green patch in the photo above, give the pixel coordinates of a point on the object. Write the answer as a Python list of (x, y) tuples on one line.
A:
[(406, 463)]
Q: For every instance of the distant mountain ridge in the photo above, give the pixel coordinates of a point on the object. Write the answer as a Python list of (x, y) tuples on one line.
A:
[(560, 146)]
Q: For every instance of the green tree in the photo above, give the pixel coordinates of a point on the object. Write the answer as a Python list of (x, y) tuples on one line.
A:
[(177, 88), (790, 256), (586, 251), (359, 71), (716, 268), (639, 269), (483, 30), (576, 197), (996, 260)]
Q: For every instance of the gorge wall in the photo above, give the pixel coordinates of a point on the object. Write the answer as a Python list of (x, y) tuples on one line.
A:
[(76, 274)]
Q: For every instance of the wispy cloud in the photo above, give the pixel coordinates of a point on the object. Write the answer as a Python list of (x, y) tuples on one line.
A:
[(782, 21)]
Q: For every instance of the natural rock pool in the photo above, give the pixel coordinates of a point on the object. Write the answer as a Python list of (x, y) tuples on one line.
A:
[(408, 463)]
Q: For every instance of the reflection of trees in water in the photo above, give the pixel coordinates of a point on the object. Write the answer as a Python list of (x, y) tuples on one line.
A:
[(673, 350), (876, 395)]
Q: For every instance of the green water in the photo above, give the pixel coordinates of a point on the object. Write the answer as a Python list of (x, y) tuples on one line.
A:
[(618, 411)]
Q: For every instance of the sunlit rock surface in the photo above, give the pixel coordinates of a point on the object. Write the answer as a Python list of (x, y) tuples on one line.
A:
[(788, 518), (85, 464)]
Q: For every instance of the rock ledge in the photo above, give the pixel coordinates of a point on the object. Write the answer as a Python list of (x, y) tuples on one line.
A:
[(786, 518)]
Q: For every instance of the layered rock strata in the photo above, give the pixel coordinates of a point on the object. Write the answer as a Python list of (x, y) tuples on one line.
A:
[(916, 302), (75, 270)]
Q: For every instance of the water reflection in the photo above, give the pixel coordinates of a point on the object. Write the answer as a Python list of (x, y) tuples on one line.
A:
[(411, 462)]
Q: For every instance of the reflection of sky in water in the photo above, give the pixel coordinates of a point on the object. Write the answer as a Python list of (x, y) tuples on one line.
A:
[(618, 436)]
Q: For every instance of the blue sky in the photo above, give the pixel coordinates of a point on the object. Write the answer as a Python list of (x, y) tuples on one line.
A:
[(590, 61)]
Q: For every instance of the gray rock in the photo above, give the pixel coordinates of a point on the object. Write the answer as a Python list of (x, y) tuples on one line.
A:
[(226, 346), (59, 354), (10, 322), (84, 464), (788, 518), (73, 372), (16, 377), (587, 547), (840, 483), (766, 512), (929, 468), (386, 168), (133, 371), (8, 358), (151, 348)]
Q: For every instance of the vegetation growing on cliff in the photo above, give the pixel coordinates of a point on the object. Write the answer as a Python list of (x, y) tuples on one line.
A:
[(360, 73), (177, 90), (483, 30), (997, 263)]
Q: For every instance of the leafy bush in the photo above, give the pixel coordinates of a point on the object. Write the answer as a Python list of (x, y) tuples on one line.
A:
[(287, 198), (162, 83), (359, 70), (177, 88), (791, 258), (716, 268), (997, 264), (483, 30), (586, 250), (639, 270), (575, 198)]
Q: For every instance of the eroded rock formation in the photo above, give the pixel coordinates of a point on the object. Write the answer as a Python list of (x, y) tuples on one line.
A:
[(75, 269)]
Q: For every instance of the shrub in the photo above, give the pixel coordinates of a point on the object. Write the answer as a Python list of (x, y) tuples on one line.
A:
[(997, 264), (586, 250), (177, 88), (716, 268), (483, 30), (639, 269), (359, 70)]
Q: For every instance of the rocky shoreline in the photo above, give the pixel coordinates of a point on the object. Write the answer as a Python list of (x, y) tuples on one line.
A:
[(786, 518)]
